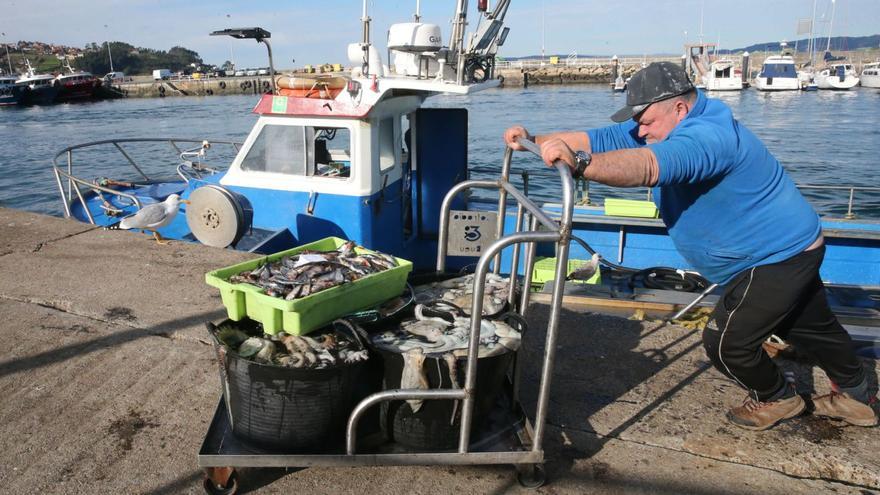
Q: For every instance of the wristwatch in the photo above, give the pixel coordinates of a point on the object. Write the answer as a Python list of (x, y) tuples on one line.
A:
[(582, 160)]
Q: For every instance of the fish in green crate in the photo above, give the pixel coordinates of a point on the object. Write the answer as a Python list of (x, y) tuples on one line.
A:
[(308, 272)]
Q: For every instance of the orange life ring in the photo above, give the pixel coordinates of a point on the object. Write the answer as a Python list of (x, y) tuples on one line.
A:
[(321, 86)]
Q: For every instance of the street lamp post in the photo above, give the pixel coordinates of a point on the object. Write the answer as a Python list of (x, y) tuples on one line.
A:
[(109, 54), (8, 60)]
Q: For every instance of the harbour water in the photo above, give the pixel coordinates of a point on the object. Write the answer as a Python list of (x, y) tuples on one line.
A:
[(827, 138)]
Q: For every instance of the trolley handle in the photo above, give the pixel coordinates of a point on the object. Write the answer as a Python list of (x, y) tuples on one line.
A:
[(561, 166)]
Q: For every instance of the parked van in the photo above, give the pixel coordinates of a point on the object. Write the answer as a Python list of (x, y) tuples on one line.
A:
[(115, 77), (161, 74)]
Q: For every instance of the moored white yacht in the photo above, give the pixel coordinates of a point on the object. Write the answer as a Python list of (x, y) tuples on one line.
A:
[(778, 74), (870, 77), (722, 76), (837, 76)]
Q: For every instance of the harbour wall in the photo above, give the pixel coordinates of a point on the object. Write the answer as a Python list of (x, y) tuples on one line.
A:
[(193, 87), (561, 74)]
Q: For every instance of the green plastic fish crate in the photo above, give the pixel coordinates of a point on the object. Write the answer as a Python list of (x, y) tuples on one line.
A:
[(545, 271), (303, 315), (631, 208)]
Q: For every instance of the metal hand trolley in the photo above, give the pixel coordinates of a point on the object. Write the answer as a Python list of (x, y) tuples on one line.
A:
[(517, 440)]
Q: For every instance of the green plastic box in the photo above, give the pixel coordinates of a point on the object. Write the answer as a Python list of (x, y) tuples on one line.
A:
[(631, 208), (301, 316), (545, 271)]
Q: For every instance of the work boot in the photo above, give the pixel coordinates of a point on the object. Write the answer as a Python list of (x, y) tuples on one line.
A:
[(756, 415), (840, 405)]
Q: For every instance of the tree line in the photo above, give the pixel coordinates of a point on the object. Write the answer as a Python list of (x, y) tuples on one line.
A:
[(133, 60)]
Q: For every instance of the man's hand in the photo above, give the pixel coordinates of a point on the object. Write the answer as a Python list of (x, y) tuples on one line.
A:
[(556, 149), (513, 134)]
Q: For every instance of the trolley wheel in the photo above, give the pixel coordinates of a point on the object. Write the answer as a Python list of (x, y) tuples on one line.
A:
[(214, 484), (531, 476)]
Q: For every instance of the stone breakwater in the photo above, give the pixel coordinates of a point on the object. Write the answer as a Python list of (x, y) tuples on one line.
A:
[(561, 74)]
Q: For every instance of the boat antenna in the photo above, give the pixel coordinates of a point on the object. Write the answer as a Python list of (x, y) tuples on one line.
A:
[(418, 16), (365, 40), (253, 33)]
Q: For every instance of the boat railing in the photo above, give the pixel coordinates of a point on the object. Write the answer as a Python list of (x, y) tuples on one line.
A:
[(582, 188), (185, 150)]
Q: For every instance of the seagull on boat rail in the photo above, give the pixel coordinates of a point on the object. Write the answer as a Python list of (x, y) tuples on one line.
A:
[(153, 217)]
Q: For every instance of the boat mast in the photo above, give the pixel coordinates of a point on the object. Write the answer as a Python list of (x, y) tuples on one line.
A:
[(812, 40), (456, 43), (830, 27)]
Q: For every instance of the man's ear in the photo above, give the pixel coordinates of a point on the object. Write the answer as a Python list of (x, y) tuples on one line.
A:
[(681, 109)]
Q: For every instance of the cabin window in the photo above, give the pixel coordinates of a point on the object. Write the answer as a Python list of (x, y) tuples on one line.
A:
[(301, 150)]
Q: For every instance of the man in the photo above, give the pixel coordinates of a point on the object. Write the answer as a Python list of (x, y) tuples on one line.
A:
[(740, 221)]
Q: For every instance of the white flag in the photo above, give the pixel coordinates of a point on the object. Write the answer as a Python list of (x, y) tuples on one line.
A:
[(804, 26)]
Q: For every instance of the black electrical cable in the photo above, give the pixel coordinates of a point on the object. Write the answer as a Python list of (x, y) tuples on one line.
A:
[(658, 277)]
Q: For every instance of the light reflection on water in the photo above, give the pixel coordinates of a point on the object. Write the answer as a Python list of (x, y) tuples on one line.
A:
[(822, 137)]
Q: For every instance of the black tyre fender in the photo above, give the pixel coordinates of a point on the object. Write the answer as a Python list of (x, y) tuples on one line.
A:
[(243, 85), (222, 84), (162, 90), (209, 92), (266, 84)]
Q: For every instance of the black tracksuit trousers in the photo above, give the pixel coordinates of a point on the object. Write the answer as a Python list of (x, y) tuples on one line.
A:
[(786, 299)]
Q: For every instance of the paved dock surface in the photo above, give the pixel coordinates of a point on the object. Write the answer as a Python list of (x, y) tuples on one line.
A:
[(108, 384)]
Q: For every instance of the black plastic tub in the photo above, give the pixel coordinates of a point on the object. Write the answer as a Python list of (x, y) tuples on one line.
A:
[(291, 410), (436, 425)]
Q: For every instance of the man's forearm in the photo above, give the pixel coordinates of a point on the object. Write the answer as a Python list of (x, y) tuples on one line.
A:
[(576, 140), (624, 168)]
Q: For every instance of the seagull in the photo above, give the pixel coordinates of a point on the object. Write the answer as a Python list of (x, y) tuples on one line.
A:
[(154, 216), (587, 271)]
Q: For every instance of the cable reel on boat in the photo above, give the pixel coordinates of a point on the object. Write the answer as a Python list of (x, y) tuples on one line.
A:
[(215, 216)]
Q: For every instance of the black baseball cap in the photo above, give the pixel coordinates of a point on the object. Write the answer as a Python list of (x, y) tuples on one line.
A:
[(657, 82)]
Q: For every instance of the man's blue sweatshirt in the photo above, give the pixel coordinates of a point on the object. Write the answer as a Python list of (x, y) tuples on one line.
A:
[(726, 201)]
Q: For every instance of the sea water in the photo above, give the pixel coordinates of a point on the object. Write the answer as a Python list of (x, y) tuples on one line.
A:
[(823, 137)]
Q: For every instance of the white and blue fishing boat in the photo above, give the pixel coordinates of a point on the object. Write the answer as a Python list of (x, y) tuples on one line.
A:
[(10, 93), (356, 156)]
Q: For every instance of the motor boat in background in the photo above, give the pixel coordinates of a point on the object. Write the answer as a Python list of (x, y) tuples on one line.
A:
[(75, 85), (778, 73), (837, 76), (723, 76), (37, 89), (870, 77), (10, 92)]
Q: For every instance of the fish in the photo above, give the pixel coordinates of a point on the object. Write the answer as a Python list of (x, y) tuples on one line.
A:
[(305, 273), (413, 376)]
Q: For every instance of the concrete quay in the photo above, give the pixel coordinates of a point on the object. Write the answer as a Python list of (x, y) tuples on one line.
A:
[(146, 88), (109, 383)]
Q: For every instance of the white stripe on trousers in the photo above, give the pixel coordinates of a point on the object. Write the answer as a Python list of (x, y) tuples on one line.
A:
[(727, 324)]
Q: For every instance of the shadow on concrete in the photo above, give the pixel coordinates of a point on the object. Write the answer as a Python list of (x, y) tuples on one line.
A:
[(63, 353), (179, 485), (598, 361)]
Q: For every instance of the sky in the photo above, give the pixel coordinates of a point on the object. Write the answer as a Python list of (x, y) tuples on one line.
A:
[(317, 32)]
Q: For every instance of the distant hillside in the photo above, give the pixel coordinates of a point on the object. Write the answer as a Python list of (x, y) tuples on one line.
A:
[(94, 58), (838, 43)]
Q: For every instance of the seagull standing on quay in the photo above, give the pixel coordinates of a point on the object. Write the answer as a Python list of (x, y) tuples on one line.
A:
[(154, 216)]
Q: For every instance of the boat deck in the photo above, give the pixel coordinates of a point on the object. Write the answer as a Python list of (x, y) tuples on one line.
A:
[(109, 384)]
